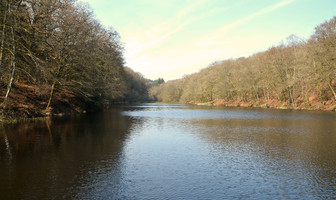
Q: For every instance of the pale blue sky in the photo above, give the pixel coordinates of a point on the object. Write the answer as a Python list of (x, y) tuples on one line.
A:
[(171, 38)]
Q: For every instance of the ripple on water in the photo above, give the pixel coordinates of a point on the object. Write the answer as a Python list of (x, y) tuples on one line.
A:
[(170, 151)]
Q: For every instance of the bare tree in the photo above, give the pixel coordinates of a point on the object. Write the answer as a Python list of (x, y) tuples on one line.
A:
[(13, 51)]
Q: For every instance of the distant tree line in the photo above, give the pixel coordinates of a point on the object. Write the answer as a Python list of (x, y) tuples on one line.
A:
[(297, 72), (57, 46)]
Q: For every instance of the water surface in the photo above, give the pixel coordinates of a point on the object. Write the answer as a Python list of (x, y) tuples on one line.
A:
[(172, 151)]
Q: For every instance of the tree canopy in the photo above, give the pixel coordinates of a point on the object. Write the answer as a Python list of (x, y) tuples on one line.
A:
[(296, 72), (59, 47)]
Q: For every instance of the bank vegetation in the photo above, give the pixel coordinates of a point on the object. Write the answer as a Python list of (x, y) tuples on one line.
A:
[(55, 57), (297, 73)]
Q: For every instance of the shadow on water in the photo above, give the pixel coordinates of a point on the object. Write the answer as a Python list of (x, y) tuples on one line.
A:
[(55, 159), (172, 151)]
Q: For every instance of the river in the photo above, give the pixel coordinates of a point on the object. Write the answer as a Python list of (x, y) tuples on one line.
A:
[(171, 151)]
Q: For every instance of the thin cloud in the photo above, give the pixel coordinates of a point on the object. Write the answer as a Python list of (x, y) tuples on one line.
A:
[(201, 31), (180, 15), (140, 53), (213, 38), (163, 31)]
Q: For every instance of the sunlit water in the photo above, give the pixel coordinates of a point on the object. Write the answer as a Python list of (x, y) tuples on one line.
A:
[(172, 151)]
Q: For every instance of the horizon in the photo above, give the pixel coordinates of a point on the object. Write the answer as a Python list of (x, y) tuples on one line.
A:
[(186, 37)]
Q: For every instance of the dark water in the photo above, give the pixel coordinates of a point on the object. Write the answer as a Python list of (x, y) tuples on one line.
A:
[(158, 151)]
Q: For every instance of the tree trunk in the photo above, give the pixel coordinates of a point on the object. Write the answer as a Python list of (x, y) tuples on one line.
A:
[(289, 95), (267, 93), (53, 86), (51, 94), (294, 80), (13, 62), (3, 35), (320, 92), (332, 90), (293, 96), (304, 96), (10, 85)]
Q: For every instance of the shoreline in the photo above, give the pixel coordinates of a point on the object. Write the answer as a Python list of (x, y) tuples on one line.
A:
[(322, 107), (12, 119)]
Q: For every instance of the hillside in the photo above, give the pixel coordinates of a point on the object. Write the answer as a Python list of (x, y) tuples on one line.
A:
[(298, 74), (57, 58)]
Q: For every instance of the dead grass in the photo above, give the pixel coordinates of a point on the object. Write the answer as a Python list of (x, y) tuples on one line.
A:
[(312, 104), (27, 101)]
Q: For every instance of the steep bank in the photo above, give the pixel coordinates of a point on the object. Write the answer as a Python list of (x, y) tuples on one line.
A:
[(57, 58), (30, 102)]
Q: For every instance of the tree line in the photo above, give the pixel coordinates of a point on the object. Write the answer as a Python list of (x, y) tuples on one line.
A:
[(58, 46), (295, 73)]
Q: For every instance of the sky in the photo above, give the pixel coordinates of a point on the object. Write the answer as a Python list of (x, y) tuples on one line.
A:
[(172, 38)]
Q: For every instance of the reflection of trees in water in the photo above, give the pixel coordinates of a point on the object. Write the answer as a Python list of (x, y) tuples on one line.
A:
[(59, 157), (304, 147), (5, 147)]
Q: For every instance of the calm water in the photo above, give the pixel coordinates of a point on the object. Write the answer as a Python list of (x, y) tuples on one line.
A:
[(165, 151)]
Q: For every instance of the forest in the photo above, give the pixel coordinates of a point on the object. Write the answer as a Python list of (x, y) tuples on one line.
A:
[(55, 57), (297, 74)]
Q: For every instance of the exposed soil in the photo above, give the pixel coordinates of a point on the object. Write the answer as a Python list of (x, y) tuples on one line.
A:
[(313, 103), (26, 101)]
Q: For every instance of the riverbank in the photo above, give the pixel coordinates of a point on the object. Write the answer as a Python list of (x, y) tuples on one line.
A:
[(29, 102), (311, 104)]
